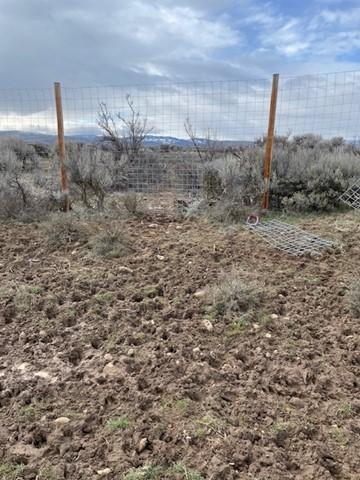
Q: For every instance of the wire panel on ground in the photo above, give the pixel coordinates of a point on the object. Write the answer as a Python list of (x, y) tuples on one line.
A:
[(289, 238)]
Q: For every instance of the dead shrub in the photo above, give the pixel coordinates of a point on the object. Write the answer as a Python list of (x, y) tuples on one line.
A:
[(131, 203), (354, 299), (64, 230), (111, 243)]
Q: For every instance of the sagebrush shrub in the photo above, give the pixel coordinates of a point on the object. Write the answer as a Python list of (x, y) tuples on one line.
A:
[(25, 192), (91, 172), (308, 173)]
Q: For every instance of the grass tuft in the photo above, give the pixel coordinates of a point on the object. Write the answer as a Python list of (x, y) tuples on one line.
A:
[(150, 472), (10, 471), (105, 297), (117, 423), (187, 473), (208, 425)]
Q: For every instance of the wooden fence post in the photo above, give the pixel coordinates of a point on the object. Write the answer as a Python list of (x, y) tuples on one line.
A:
[(270, 141), (61, 148)]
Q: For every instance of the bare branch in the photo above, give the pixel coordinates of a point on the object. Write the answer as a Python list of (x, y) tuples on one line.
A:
[(107, 124), (205, 148), (136, 130), (192, 135)]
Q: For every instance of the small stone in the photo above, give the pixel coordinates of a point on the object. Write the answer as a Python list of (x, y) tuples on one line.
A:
[(273, 316), (256, 326), (23, 367), (142, 445), (160, 257), (153, 225), (268, 335), (104, 471), (123, 269), (196, 350), (131, 352), (108, 357), (199, 293), (62, 421), (178, 227), (208, 325), (42, 374)]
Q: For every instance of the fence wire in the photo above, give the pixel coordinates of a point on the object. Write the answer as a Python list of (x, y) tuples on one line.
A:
[(218, 115)]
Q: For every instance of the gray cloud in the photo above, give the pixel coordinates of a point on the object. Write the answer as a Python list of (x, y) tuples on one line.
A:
[(83, 41)]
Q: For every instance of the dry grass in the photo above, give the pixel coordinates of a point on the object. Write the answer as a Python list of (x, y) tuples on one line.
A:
[(111, 243), (233, 296), (63, 230), (354, 299)]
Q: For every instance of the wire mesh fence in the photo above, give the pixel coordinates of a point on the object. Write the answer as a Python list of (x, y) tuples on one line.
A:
[(166, 135)]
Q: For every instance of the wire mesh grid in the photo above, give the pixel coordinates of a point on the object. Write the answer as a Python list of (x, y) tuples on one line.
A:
[(186, 124), (148, 177), (289, 238), (321, 104), (225, 110), (352, 195)]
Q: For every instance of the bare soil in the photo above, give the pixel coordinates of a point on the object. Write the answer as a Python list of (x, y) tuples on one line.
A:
[(106, 365)]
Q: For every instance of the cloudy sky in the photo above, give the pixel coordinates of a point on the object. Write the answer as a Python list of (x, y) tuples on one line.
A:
[(96, 42), (125, 42)]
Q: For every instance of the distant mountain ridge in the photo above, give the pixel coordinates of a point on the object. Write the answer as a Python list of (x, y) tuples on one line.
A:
[(150, 140)]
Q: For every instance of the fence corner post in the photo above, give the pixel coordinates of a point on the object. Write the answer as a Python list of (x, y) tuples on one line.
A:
[(61, 147), (270, 141)]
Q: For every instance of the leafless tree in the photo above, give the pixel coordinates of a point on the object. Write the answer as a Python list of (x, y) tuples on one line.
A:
[(133, 133), (136, 130), (206, 147)]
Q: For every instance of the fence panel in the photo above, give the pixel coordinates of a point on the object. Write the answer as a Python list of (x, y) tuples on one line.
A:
[(188, 125)]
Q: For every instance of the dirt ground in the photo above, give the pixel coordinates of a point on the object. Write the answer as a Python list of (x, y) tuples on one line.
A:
[(108, 366)]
